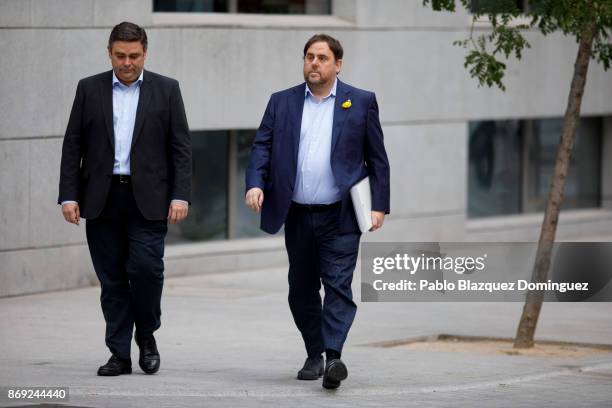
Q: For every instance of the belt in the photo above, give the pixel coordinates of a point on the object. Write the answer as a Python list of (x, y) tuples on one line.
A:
[(315, 207), (122, 178)]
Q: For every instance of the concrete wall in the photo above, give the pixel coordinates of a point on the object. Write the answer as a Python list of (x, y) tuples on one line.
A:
[(606, 171), (228, 66)]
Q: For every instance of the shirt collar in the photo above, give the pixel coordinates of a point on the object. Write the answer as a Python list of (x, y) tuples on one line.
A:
[(116, 80), (331, 93)]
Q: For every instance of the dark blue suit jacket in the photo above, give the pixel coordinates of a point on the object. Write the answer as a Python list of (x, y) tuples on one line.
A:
[(357, 151)]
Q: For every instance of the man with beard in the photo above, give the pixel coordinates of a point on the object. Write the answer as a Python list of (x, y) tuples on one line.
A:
[(317, 140)]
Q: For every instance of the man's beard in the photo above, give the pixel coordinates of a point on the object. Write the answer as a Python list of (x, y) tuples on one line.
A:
[(318, 82)]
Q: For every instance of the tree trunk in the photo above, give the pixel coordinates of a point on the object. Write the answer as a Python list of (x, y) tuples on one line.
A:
[(533, 302)]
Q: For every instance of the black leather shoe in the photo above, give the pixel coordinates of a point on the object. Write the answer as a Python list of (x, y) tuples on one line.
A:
[(149, 356), (312, 370), (116, 366), (335, 372)]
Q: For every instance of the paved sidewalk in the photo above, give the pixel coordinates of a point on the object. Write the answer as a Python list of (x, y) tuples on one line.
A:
[(228, 340)]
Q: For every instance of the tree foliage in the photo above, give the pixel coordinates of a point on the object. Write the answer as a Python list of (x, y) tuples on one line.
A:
[(506, 37)]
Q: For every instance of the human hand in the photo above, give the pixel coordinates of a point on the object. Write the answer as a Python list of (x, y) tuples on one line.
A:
[(71, 213), (177, 212), (254, 199), (378, 217)]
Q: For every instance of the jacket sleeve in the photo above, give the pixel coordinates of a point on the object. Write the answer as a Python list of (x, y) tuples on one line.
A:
[(180, 147), (257, 171), (72, 151), (376, 160)]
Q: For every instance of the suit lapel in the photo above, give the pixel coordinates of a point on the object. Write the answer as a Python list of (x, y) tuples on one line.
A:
[(143, 102), (106, 90), (340, 114), (296, 107)]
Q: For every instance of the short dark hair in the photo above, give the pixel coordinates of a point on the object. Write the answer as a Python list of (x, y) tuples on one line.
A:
[(334, 45), (127, 31)]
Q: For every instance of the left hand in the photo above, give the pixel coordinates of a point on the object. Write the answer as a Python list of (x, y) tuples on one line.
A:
[(378, 217), (177, 211)]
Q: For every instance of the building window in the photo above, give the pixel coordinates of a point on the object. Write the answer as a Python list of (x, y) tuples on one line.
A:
[(217, 210), (245, 6), (511, 163)]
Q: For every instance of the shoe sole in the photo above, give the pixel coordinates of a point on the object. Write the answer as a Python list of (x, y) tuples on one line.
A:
[(305, 377), (113, 374)]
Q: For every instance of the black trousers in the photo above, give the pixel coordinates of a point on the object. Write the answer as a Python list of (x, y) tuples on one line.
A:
[(127, 252), (319, 252)]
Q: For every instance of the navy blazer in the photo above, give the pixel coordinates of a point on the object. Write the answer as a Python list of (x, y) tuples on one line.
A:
[(357, 151)]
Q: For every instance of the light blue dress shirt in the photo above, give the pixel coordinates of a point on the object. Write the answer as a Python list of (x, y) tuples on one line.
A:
[(125, 103), (315, 182)]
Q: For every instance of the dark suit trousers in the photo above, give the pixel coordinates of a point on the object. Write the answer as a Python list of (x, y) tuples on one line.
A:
[(318, 252), (127, 251)]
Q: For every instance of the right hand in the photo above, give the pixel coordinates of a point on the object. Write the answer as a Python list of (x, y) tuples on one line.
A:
[(254, 199), (71, 213)]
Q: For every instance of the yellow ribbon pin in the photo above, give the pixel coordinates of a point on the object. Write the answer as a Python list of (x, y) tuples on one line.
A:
[(347, 104)]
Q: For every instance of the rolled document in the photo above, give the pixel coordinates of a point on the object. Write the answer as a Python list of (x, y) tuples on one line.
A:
[(362, 203)]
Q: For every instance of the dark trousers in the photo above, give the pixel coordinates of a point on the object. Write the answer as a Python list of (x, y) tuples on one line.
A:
[(318, 252), (127, 251)]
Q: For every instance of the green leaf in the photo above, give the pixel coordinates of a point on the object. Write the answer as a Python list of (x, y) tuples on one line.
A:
[(506, 38), (484, 67), (440, 5), (602, 53)]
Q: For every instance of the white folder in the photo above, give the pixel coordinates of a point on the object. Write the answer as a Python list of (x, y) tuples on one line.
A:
[(361, 195)]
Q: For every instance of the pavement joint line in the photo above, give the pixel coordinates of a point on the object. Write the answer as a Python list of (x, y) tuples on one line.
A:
[(347, 391), (447, 337)]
